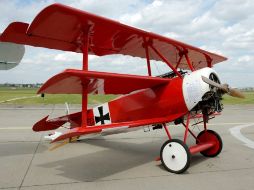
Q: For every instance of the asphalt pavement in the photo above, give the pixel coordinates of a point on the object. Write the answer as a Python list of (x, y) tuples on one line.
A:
[(122, 161)]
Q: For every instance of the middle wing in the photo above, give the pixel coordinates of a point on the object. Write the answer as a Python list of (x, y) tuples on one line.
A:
[(73, 81)]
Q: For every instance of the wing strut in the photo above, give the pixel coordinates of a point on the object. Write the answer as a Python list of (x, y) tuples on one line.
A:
[(147, 58), (165, 60), (188, 60), (179, 60), (84, 89)]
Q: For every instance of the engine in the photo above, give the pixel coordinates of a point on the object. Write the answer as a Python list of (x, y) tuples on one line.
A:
[(200, 96), (211, 100)]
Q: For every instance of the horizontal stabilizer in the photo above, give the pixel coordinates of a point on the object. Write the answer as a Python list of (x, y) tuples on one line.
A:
[(44, 125), (52, 124), (72, 81)]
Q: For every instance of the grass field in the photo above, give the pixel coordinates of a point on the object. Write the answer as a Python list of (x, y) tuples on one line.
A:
[(9, 93), (249, 99)]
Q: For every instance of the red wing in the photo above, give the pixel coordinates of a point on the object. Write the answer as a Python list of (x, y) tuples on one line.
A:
[(114, 127), (71, 82), (62, 27)]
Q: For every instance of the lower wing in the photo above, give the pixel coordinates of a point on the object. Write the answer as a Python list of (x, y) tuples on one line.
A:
[(114, 127)]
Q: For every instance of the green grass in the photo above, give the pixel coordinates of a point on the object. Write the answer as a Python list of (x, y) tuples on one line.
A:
[(9, 93), (249, 99)]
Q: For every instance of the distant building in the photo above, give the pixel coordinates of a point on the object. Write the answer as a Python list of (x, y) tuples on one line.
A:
[(37, 85)]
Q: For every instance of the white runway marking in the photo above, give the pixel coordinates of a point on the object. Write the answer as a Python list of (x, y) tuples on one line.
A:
[(15, 128), (214, 124), (236, 132), (20, 98)]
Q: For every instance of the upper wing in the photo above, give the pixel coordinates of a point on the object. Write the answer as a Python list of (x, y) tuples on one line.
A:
[(71, 82), (62, 27)]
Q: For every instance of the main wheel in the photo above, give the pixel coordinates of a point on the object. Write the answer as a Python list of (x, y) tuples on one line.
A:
[(210, 135), (175, 156)]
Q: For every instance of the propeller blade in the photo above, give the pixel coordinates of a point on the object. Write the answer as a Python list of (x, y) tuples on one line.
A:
[(225, 88), (236, 93)]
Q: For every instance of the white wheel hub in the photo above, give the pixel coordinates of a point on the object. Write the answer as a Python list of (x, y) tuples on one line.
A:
[(174, 156)]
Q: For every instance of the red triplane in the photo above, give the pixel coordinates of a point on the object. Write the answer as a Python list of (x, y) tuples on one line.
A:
[(176, 96)]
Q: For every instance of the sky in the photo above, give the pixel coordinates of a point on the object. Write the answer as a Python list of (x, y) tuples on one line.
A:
[(225, 27)]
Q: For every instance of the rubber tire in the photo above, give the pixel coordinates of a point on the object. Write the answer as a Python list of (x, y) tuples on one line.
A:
[(187, 153), (219, 143)]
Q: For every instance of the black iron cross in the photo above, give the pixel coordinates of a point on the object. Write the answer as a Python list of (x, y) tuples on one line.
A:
[(102, 117)]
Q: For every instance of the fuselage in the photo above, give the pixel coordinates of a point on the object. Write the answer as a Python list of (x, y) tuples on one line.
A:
[(175, 99)]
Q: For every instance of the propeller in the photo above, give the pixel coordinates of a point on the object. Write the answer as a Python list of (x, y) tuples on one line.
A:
[(225, 88)]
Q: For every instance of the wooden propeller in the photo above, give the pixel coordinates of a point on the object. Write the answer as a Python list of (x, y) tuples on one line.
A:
[(225, 88)]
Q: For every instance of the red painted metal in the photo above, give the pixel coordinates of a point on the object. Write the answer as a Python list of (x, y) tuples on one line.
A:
[(208, 60), (61, 27), (85, 55), (159, 101), (79, 131), (201, 147), (84, 85), (44, 125), (179, 61), (167, 131), (194, 136), (210, 137), (160, 104), (74, 119), (165, 60), (188, 61), (98, 83), (186, 128), (84, 107), (148, 61)]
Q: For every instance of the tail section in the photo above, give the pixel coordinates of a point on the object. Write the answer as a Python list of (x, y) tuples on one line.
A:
[(73, 119)]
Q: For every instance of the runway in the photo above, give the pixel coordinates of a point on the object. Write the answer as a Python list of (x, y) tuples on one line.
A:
[(122, 161)]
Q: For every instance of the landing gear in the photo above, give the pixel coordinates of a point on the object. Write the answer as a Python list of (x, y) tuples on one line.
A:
[(175, 156), (210, 136)]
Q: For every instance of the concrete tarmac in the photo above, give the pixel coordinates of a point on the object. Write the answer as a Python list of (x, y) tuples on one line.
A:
[(122, 161)]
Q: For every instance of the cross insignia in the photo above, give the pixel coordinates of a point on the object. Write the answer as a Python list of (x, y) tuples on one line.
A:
[(101, 118)]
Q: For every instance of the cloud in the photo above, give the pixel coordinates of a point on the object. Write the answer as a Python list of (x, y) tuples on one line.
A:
[(224, 26)]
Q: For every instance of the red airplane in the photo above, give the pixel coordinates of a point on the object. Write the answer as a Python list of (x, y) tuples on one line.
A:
[(176, 96)]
